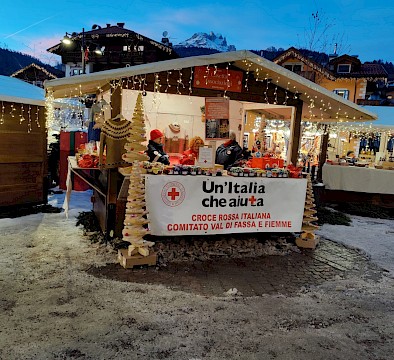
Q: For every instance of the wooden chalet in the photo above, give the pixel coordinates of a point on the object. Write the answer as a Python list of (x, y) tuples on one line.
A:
[(262, 85), (344, 75), (23, 144), (36, 74), (120, 47)]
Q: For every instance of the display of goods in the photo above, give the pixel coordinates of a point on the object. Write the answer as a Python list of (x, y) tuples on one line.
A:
[(155, 168), (294, 171), (191, 170), (253, 172), (88, 161), (266, 162)]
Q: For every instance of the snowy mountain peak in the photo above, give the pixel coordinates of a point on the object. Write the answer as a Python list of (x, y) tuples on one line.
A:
[(209, 41)]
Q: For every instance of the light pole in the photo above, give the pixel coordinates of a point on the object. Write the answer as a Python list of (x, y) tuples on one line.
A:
[(83, 52), (68, 40)]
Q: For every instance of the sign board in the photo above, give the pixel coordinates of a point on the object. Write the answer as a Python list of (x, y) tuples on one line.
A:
[(206, 158), (198, 205), (217, 108), (209, 77), (217, 114)]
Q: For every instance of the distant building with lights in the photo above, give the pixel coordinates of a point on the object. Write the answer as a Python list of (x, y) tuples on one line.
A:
[(119, 47), (36, 74), (345, 75)]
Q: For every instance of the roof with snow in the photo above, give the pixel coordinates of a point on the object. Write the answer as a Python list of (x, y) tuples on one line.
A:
[(336, 108), (385, 115), (19, 91)]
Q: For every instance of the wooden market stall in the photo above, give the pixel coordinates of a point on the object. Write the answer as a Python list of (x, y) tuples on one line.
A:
[(246, 79), (23, 143), (370, 179)]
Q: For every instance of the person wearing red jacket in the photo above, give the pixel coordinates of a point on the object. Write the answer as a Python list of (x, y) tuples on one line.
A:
[(190, 155)]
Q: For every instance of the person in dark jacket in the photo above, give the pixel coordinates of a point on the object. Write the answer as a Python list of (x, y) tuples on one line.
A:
[(155, 148), (229, 152)]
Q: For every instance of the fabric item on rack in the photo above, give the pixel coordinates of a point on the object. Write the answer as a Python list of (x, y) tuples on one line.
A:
[(390, 144), (113, 137), (175, 139), (363, 144)]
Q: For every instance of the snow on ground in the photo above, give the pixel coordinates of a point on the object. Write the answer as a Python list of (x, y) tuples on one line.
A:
[(51, 308), (375, 237)]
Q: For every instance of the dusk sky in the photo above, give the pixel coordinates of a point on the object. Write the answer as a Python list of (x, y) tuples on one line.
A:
[(360, 27)]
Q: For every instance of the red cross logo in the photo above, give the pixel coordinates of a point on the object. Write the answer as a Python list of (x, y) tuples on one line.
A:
[(173, 194), (252, 199)]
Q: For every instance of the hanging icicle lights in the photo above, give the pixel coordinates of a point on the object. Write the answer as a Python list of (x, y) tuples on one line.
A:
[(50, 109), (276, 90)]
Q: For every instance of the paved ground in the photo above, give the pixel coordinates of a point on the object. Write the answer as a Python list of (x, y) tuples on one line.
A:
[(252, 276)]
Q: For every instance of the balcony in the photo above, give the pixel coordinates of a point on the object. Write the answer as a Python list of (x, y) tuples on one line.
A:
[(368, 102)]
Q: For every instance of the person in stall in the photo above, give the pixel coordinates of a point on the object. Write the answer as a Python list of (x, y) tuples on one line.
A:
[(155, 149), (351, 157), (230, 152), (190, 155)]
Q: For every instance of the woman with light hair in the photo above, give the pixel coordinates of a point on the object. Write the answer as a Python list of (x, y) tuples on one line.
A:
[(190, 155)]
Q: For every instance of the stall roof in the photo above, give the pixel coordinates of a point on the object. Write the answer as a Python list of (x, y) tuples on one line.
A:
[(326, 106), (385, 115), (18, 91)]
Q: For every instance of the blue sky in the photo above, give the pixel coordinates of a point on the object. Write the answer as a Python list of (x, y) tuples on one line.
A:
[(360, 27)]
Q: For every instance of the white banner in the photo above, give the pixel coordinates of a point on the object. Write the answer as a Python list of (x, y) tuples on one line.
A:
[(204, 205)]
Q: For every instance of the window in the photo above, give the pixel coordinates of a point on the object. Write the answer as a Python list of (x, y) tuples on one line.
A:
[(343, 68), (293, 67), (343, 93), (76, 71)]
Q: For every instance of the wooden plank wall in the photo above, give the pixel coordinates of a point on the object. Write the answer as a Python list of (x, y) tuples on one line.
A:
[(23, 155)]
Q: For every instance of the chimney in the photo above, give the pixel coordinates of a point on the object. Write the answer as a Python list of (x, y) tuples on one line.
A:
[(120, 25), (108, 25)]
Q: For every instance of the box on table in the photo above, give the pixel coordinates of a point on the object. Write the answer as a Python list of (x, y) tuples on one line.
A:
[(267, 163)]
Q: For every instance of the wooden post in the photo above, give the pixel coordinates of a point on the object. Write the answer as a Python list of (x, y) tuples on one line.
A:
[(112, 174), (296, 132), (323, 154), (116, 101)]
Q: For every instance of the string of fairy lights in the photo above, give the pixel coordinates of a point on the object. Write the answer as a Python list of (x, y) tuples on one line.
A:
[(26, 114), (317, 107)]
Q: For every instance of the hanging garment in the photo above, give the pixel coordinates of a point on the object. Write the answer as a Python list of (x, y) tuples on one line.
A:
[(363, 144), (175, 139), (113, 136)]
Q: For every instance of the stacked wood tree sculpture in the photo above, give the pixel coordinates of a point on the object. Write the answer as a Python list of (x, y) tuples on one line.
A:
[(135, 223), (308, 238)]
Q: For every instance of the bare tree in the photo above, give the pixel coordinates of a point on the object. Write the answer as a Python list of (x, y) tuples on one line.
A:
[(319, 35)]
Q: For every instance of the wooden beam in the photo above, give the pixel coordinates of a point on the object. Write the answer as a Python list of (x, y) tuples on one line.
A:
[(323, 153), (116, 101), (296, 132)]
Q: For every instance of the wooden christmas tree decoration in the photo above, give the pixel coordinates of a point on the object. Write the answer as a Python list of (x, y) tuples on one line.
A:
[(135, 223), (308, 239), (261, 133)]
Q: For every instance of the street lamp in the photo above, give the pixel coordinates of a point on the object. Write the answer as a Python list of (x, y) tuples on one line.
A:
[(69, 38)]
